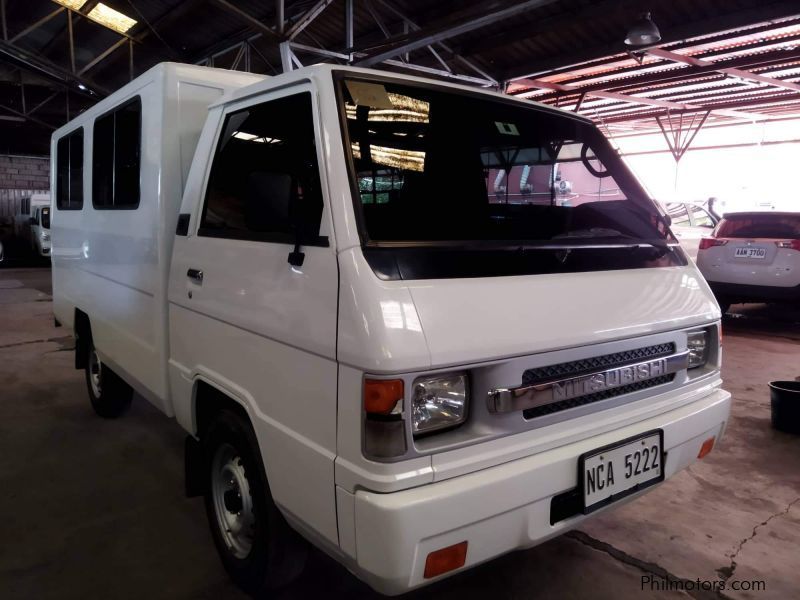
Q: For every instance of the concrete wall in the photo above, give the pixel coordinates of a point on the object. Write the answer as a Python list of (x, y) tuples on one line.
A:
[(24, 172)]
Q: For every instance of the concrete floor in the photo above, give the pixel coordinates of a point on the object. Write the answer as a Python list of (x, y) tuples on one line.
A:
[(94, 508)]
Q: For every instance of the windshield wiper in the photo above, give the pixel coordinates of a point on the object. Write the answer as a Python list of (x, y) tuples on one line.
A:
[(612, 236)]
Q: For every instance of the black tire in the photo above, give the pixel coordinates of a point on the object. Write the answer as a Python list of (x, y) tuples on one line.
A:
[(109, 394), (276, 554)]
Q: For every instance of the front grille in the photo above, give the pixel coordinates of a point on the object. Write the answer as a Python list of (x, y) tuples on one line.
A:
[(549, 409), (585, 366)]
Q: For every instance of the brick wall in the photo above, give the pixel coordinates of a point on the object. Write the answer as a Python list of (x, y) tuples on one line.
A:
[(24, 172)]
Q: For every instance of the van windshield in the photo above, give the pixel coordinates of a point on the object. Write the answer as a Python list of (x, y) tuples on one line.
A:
[(438, 168)]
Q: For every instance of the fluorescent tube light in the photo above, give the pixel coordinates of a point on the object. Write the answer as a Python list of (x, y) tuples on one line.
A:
[(113, 19)]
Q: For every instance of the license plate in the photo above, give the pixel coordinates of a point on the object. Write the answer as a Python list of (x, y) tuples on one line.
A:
[(615, 471), (750, 252)]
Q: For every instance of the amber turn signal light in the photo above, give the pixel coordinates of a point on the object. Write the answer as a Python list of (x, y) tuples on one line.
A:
[(706, 447), (382, 395), (446, 559)]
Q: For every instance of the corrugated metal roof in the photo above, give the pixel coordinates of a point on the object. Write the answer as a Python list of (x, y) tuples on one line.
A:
[(572, 43)]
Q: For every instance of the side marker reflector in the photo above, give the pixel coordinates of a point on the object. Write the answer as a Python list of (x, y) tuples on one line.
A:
[(446, 559), (706, 447)]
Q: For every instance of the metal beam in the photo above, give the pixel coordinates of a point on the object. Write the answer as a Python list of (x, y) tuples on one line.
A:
[(348, 24), (732, 71), (280, 16), (675, 106), (71, 40), (464, 61), (42, 103), (439, 72), (44, 68), (14, 111), (249, 19), (750, 17), (38, 24), (101, 57), (307, 18), (3, 19), (425, 37)]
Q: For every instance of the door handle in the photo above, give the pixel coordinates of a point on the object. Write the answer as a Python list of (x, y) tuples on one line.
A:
[(195, 275)]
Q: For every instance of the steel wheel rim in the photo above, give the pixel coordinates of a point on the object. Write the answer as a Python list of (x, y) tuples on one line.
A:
[(95, 371), (233, 502)]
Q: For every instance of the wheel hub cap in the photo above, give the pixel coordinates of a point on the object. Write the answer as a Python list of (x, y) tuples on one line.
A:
[(233, 503), (95, 370)]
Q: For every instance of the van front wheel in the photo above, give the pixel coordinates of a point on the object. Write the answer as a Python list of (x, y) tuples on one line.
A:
[(109, 394), (257, 547)]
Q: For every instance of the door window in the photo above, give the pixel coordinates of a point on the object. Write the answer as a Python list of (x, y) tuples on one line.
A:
[(69, 171), (680, 216), (264, 183), (116, 157), (700, 217)]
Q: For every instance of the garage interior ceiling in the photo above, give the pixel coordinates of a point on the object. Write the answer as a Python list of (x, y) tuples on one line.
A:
[(718, 61)]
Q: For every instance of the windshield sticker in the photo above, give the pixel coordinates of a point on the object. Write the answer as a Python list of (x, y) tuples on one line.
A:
[(506, 128), (369, 94)]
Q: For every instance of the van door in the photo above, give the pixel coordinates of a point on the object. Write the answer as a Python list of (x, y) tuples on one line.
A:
[(245, 318)]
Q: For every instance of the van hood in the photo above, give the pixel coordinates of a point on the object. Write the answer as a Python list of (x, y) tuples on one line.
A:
[(474, 320)]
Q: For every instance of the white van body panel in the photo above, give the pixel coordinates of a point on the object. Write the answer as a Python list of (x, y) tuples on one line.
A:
[(522, 314), (293, 344), (113, 264)]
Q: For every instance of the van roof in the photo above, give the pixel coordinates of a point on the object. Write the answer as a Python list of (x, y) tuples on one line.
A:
[(325, 70), (183, 71)]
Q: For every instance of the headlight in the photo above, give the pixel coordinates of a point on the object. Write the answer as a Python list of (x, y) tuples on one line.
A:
[(45, 236), (439, 402), (697, 344)]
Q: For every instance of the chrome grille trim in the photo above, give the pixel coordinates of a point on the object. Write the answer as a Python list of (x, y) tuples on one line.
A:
[(565, 389)]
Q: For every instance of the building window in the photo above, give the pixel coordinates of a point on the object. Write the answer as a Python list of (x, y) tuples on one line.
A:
[(264, 182), (116, 156), (69, 171)]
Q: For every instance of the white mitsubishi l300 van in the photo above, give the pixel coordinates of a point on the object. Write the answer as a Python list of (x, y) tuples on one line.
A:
[(420, 324)]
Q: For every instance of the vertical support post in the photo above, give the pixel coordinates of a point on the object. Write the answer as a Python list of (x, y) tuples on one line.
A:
[(22, 92), (66, 96), (130, 59), (286, 57), (348, 28), (247, 56), (406, 30), (280, 16), (3, 19), (71, 41)]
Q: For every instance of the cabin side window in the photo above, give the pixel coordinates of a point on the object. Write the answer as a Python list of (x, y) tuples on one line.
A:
[(69, 171), (264, 183), (116, 154)]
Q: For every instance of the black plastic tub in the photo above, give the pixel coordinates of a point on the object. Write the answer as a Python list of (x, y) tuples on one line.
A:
[(785, 401)]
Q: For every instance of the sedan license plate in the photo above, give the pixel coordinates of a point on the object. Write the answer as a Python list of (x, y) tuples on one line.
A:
[(750, 252), (613, 472)]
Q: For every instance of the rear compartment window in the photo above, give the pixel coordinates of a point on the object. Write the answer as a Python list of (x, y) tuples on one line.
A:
[(116, 151), (69, 171), (457, 172), (760, 225), (46, 217), (264, 183)]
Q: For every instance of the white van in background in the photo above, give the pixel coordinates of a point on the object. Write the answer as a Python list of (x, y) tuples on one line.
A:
[(24, 219), (366, 342), (40, 225)]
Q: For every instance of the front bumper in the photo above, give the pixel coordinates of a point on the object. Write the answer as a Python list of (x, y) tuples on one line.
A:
[(506, 507)]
